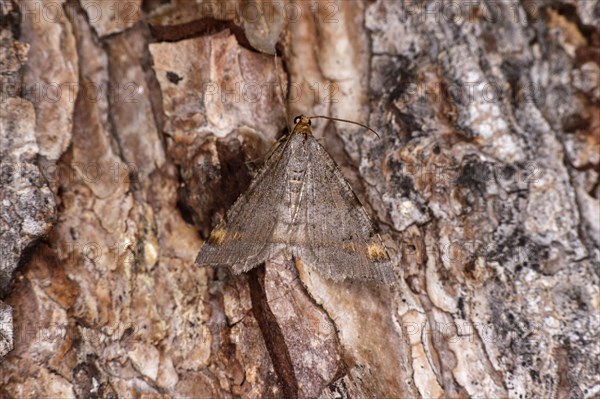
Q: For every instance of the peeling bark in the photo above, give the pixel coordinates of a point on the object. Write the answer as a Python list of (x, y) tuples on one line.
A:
[(127, 130)]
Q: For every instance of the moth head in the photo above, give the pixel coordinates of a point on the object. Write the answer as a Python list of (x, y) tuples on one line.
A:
[(303, 119), (302, 125)]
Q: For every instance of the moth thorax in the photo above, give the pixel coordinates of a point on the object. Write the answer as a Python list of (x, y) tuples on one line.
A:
[(297, 169), (295, 180)]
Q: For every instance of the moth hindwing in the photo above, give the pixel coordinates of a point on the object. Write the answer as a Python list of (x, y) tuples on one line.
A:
[(299, 203)]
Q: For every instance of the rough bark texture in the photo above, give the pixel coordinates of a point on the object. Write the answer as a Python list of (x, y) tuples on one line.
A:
[(128, 128)]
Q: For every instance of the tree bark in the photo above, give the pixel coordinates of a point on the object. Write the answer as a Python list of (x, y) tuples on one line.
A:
[(129, 128)]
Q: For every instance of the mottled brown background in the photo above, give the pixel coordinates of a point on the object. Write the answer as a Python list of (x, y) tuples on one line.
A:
[(128, 127)]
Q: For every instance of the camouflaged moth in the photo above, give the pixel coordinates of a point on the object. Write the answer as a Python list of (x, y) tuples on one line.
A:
[(299, 204)]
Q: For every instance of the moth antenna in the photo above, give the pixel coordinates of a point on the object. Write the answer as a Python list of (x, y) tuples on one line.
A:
[(287, 115), (344, 120)]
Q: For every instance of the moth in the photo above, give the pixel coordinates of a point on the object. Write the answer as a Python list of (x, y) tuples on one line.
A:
[(300, 204)]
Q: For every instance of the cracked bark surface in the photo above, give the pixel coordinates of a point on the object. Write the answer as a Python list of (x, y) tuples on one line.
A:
[(483, 185)]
